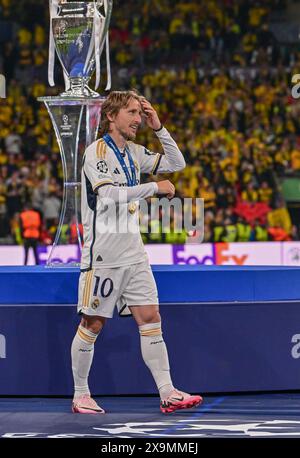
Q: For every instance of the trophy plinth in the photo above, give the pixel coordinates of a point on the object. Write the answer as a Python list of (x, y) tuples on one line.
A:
[(76, 123)]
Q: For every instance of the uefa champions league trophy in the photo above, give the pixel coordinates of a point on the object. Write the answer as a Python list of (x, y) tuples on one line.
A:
[(78, 33)]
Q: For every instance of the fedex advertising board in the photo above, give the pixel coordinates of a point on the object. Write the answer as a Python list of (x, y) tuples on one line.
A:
[(251, 254)]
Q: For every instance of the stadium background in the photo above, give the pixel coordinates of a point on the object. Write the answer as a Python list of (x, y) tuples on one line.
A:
[(219, 74)]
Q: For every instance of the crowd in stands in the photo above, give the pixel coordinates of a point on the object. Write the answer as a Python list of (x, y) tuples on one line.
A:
[(220, 82)]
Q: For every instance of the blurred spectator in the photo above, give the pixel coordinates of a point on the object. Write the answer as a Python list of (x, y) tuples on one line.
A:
[(278, 234), (260, 232), (13, 143), (244, 230), (280, 218), (218, 227), (51, 209), (230, 231), (15, 194), (30, 223), (265, 193), (250, 194), (220, 81)]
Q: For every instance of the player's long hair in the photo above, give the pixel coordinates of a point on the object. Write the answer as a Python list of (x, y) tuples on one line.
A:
[(113, 104)]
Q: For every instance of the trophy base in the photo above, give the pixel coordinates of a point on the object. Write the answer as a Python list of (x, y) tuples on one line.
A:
[(57, 265), (80, 92)]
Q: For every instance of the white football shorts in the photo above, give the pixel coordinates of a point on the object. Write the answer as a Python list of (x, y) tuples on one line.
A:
[(101, 289)]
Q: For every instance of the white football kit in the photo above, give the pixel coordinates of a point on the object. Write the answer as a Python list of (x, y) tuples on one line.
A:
[(112, 245)]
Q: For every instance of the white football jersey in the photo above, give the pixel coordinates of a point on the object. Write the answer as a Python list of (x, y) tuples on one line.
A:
[(111, 235), (111, 232)]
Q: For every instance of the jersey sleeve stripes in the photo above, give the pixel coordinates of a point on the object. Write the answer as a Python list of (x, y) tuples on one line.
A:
[(102, 168), (96, 166)]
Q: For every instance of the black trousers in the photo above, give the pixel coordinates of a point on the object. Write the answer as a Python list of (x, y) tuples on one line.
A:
[(30, 243)]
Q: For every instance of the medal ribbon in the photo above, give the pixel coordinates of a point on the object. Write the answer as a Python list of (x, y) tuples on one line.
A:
[(131, 180)]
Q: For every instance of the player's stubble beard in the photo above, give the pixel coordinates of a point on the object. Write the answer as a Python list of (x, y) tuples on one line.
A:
[(127, 135)]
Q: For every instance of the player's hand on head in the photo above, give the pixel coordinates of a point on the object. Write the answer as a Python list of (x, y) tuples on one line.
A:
[(151, 116), (167, 188)]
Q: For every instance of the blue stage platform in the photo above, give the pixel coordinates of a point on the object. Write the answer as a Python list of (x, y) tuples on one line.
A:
[(227, 328)]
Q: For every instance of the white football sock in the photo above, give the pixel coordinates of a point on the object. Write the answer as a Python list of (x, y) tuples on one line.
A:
[(155, 356), (82, 352)]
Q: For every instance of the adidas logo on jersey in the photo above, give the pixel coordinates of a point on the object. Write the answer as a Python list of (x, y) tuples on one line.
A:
[(116, 171), (99, 258)]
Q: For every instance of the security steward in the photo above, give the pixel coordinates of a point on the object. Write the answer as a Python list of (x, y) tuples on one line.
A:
[(30, 222)]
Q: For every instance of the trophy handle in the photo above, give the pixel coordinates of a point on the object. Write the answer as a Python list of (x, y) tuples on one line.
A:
[(108, 4), (53, 8)]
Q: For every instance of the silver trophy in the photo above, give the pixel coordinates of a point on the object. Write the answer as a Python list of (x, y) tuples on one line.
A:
[(78, 32)]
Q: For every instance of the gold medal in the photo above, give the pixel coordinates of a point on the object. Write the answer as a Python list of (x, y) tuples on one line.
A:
[(132, 208)]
